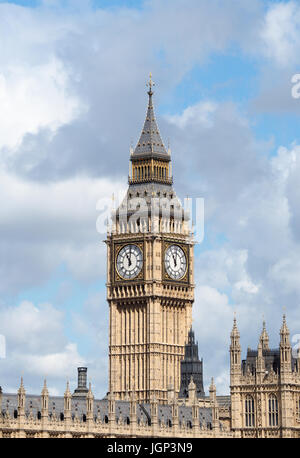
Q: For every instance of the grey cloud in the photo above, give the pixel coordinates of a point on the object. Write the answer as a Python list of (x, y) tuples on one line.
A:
[(107, 56), (275, 93)]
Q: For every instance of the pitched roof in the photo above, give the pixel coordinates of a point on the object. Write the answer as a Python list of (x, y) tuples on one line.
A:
[(150, 142)]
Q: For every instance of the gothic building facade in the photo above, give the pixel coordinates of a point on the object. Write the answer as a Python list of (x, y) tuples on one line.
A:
[(265, 387), (155, 374)]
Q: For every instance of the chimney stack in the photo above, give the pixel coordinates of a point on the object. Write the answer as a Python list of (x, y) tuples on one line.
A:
[(81, 390)]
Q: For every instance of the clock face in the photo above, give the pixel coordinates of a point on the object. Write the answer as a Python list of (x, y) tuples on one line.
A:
[(175, 262), (129, 261)]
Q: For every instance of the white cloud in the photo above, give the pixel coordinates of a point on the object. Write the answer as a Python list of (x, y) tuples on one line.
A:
[(44, 225), (61, 364), (31, 327), (32, 98), (36, 345), (199, 114), (91, 58), (281, 33)]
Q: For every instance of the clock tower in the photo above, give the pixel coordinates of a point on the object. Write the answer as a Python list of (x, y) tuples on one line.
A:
[(150, 287)]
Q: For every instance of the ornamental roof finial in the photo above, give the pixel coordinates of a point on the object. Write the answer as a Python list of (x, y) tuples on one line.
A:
[(235, 331), (264, 338), (150, 84), (284, 329)]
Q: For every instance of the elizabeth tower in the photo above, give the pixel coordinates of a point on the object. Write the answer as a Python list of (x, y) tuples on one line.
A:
[(150, 287)]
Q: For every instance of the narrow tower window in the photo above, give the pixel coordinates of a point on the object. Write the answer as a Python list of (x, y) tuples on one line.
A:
[(249, 412), (273, 410)]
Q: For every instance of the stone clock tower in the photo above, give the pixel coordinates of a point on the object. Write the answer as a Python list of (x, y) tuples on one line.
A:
[(150, 287)]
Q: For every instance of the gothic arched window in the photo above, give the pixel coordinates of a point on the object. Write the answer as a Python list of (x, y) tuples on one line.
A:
[(249, 412), (273, 410)]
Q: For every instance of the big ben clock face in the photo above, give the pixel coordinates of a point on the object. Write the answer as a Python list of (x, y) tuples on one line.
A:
[(129, 261), (175, 262)]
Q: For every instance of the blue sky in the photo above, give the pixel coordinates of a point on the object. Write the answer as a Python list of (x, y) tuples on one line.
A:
[(75, 75)]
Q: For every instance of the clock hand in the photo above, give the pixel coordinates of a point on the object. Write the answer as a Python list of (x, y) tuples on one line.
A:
[(174, 259), (129, 259)]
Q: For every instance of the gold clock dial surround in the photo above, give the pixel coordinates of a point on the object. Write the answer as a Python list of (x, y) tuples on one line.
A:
[(175, 262), (129, 261)]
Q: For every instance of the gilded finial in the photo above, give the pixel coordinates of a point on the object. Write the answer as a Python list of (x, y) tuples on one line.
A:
[(150, 84)]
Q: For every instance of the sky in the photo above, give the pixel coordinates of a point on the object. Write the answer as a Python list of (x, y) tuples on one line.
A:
[(72, 101)]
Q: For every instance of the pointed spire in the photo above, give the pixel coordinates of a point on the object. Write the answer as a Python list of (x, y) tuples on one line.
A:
[(235, 353), (21, 398), (68, 392), (191, 336), (45, 389), (284, 329), (67, 402), (90, 403), (44, 401), (150, 142), (285, 351), (212, 385), (21, 389), (264, 338), (90, 393), (235, 331), (284, 333)]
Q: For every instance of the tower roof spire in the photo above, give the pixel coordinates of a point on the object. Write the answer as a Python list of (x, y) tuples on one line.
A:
[(284, 331), (264, 338), (150, 142), (235, 331)]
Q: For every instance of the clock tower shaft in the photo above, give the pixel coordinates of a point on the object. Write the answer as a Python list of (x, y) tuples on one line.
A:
[(150, 287)]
